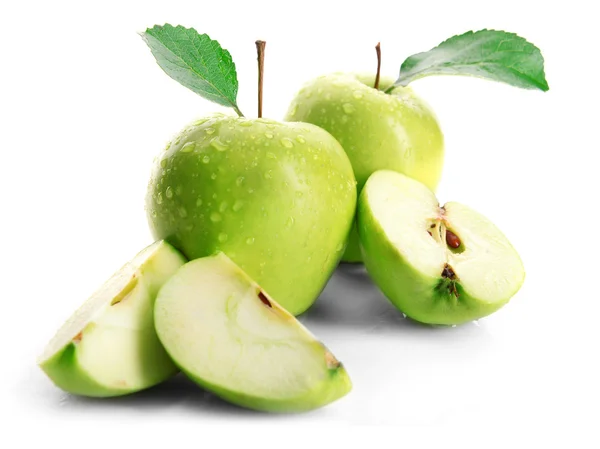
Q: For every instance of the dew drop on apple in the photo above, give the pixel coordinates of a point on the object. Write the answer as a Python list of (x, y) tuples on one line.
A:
[(153, 213), (269, 135), (222, 237), (188, 147), (159, 198), (209, 131), (223, 206), (271, 155), (199, 202), (206, 159), (163, 163), (237, 205), (357, 94), (239, 181), (182, 212), (249, 240), (169, 192), (287, 143), (215, 217), (348, 108), (268, 174), (213, 176), (300, 139), (245, 123), (290, 222), (218, 144)]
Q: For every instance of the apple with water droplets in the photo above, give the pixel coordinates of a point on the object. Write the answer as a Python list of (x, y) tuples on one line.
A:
[(277, 198), (378, 130), (438, 264), (228, 335)]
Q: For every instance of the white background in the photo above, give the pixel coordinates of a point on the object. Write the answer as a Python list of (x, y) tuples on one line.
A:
[(84, 109)]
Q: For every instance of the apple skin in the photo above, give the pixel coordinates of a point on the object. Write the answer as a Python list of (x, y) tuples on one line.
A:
[(396, 131), (411, 291), (278, 198)]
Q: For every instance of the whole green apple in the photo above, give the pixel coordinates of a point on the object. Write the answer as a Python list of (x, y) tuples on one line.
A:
[(396, 131), (277, 198)]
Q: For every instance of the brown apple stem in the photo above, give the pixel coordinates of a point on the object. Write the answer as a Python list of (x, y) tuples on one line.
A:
[(378, 51), (260, 50)]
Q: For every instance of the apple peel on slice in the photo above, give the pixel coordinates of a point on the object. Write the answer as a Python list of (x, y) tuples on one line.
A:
[(438, 264), (109, 346), (231, 338)]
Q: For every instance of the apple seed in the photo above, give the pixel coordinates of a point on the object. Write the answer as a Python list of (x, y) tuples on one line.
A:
[(264, 299), (452, 239)]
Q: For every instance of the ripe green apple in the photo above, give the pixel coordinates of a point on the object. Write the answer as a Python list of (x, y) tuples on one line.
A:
[(109, 346), (278, 198), (439, 265), (227, 334), (396, 131)]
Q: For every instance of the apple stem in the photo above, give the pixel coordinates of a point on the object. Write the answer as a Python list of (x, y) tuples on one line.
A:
[(260, 50), (378, 51)]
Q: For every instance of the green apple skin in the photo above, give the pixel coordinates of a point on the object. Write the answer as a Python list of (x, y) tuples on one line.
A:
[(396, 131), (277, 198), (119, 337), (417, 295)]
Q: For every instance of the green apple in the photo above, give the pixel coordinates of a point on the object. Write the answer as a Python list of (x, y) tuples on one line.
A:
[(396, 130), (227, 334), (109, 346), (439, 265), (278, 198)]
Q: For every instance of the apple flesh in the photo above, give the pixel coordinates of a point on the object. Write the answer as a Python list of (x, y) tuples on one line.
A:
[(438, 265), (229, 336), (396, 131), (109, 346), (279, 199)]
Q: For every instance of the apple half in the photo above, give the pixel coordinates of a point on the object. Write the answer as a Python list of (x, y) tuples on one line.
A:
[(109, 346), (231, 338), (437, 264)]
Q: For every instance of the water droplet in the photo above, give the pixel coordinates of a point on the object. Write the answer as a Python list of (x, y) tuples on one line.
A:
[(269, 135), (301, 139), (290, 222), (215, 217), (163, 163), (287, 142), (209, 131), (357, 94), (237, 205), (169, 192), (249, 240), (213, 176), (153, 213), (348, 108), (222, 237), (167, 146), (218, 144), (239, 181), (206, 159), (188, 147), (271, 155), (178, 190), (223, 206), (339, 247), (182, 212), (299, 193), (245, 123), (188, 227), (199, 202), (159, 198), (294, 109), (177, 140), (268, 174)]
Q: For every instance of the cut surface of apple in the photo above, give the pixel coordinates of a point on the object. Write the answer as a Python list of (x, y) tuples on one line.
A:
[(231, 338), (109, 346), (438, 264)]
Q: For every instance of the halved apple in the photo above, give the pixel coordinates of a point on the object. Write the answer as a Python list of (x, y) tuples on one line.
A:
[(231, 338), (439, 265), (109, 346)]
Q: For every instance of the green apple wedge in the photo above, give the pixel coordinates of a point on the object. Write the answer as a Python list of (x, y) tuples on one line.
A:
[(378, 130), (438, 264), (278, 198), (227, 334), (109, 346)]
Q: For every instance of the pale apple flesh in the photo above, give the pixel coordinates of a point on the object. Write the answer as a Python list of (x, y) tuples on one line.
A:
[(228, 335), (109, 346), (396, 131), (278, 198), (408, 240)]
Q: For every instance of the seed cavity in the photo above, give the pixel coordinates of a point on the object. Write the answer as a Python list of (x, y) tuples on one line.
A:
[(123, 294), (264, 299), (77, 338), (331, 361)]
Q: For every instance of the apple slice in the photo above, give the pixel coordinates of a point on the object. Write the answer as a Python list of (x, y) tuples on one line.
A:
[(231, 338), (439, 265), (109, 346)]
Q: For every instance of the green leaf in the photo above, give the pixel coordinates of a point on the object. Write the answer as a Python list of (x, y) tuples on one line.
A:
[(489, 54), (196, 61)]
